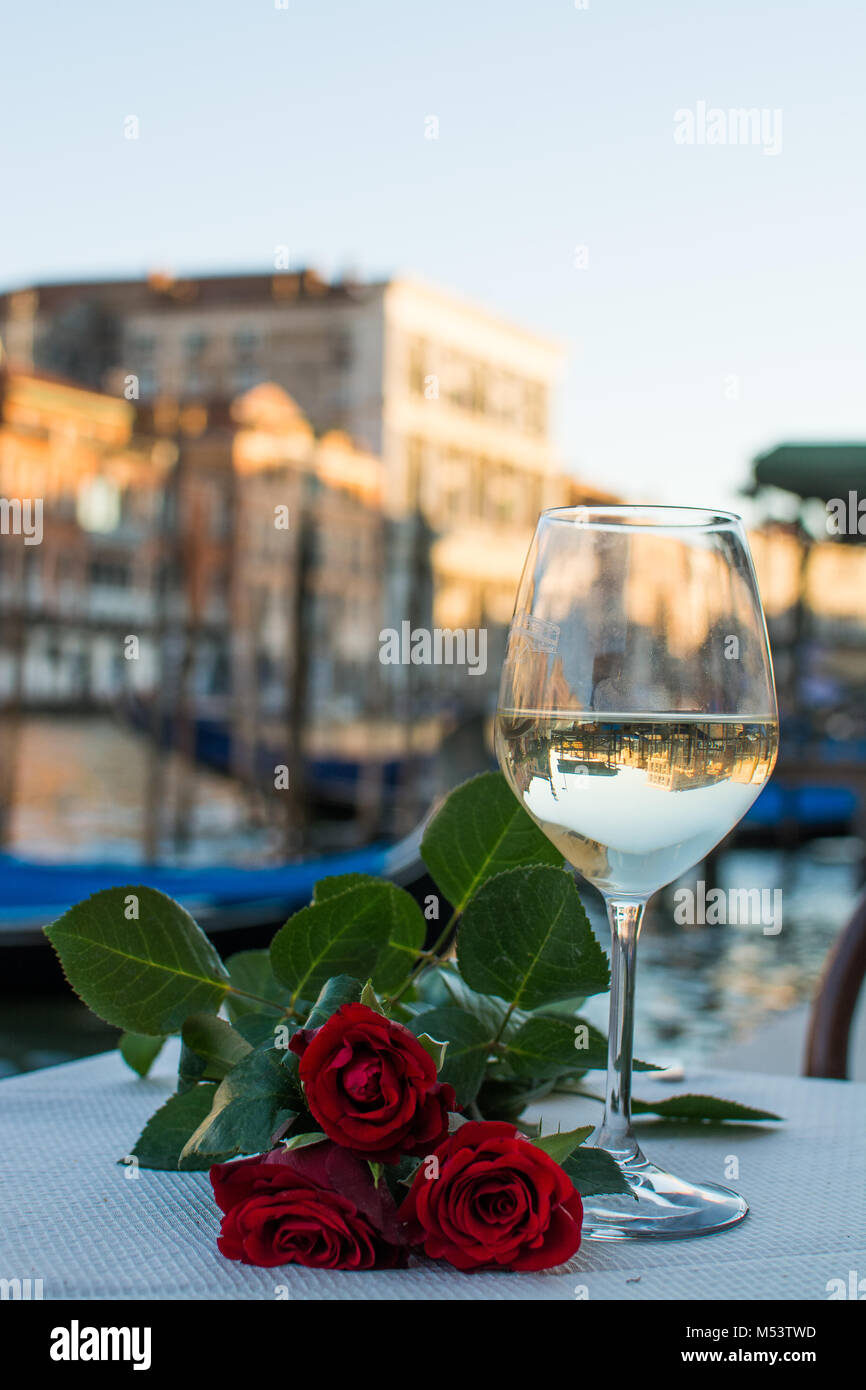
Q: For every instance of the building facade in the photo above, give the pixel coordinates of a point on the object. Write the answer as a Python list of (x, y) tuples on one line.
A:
[(365, 358), (69, 595), (454, 401), (168, 553)]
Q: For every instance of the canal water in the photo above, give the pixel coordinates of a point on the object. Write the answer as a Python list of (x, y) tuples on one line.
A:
[(702, 989), (79, 795)]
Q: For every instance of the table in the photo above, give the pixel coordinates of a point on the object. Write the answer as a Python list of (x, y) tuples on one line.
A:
[(71, 1215)]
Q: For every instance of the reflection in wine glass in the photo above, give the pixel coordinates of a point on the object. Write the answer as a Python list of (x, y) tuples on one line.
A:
[(637, 723)]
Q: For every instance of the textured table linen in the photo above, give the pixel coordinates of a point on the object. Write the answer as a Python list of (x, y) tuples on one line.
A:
[(71, 1216)]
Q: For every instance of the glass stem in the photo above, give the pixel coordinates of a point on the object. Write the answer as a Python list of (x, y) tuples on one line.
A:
[(614, 1133)]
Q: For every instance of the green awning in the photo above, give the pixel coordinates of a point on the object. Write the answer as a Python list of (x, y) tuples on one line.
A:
[(813, 470)]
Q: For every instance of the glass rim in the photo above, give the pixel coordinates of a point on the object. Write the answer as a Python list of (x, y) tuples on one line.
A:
[(647, 516)]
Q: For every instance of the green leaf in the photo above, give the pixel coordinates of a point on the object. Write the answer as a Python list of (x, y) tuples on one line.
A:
[(437, 1050), (260, 1028), (468, 1048), (210, 1047), (146, 973), (443, 986), (562, 1144), (694, 1107), (259, 1095), (252, 972), (407, 930), (506, 1100), (526, 938), (566, 1008), (545, 1045), (255, 1030), (303, 1141), (342, 989), (215, 1042), (481, 830), (140, 1050), (162, 1140), (335, 884), (594, 1173), (401, 1012), (190, 1069), (343, 935), (370, 999), (402, 1173)]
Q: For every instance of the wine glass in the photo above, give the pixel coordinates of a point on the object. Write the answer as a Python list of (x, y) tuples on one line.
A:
[(637, 723)]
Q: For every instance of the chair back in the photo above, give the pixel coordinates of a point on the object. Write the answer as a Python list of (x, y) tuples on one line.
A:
[(836, 1000)]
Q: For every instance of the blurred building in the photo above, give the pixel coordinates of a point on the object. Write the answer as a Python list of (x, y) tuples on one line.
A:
[(810, 557), (180, 528), (216, 573), (365, 358), (454, 401), (69, 599), (310, 536)]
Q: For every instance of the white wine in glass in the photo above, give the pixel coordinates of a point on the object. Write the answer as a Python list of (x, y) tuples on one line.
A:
[(637, 723)]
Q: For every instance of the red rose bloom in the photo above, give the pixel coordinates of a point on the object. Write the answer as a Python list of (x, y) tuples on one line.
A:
[(314, 1206), (371, 1085), (498, 1202)]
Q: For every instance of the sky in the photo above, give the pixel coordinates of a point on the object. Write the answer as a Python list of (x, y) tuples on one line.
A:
[(711, 296)]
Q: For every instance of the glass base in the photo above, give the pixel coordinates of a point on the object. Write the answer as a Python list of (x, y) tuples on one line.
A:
[(667, 1207)]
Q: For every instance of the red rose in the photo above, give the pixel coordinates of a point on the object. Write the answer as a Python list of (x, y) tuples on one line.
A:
[(314, 1206), (498, 1202), (371, 1085)]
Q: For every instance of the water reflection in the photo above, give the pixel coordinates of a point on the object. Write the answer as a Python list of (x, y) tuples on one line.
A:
[(705, 988), (80, 793), (701, 988)]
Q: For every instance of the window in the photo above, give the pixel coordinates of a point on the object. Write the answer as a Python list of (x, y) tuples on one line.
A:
[(245, 376), (479, 390), (141, 345), (109, 574), (195, 344), (417, 367), (415, 472), (535, 408), (246, 343), (141, 354), (503, 398), (456, 486), (500, 493), (341, 351), (459, 382)]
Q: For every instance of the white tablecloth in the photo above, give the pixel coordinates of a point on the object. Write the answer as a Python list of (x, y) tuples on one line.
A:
[(71, 1216)]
